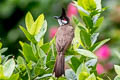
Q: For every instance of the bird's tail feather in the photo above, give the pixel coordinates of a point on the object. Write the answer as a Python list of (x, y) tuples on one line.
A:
[(59, 65)]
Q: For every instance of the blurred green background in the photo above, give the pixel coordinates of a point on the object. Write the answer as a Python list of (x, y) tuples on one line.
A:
[(12, 14)]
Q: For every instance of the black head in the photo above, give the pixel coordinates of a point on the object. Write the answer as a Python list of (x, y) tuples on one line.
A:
[(63, 19)]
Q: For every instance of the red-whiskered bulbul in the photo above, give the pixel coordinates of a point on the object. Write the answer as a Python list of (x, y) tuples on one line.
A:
[(64, 37)]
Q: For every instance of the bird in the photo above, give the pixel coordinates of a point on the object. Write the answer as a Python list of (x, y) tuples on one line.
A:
[(64, 37)]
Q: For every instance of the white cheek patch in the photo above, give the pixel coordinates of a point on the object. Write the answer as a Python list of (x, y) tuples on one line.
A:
[(60, 22), (64, 22)]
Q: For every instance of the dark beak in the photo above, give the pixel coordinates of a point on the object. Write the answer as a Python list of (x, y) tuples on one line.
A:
[(56, 17)]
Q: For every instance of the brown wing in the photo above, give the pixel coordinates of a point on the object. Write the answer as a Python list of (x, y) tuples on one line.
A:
[(64, 37)]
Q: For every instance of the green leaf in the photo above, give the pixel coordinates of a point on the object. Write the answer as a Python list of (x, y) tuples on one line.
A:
[(75, 20), (98, 4), (44, 76), (41, 53), (82, 72), (117, 78), (4, 59), (76, 39), (46, 47), (21, 43), (95, 13), (21, 63), (0, 59), (98, 78), (91, 77), (88, 21), (83, 75), (98, 45), (81, 10), (41, 32), (3, 50), (14, 77), (85, 39), (75, 63), (29, 21), (70, 75), (0, 45), (99, 22), (87, 4), (41, 42), (39, 68), (61, 78), (86, 53), (2, 73), (94, 38), (50, 64), (50, 56), (67, 58), (71, 52), (91, 62), (28, 35), (9, 67), (117, 69), (36, 26), (20, 60), (28, 53)]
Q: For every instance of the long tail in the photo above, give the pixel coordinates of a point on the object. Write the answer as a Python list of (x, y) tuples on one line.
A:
[(59, 65)]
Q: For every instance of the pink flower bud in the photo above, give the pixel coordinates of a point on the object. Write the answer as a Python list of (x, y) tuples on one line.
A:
[(71, 10), (103, 53), (52, 32), (100, 69)]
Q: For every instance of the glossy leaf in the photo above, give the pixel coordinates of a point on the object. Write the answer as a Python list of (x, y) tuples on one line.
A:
[(98, 45), (28, 53), (29, 21), (36, 26), (99, 22), (28, 35), (88, 21), (86, 4), (41, 32), (85, 39), (117, 69), (94, 13), (82, 71), (98, 78), (3, 50), (98, 4), (70, 75), (2, 72), (86, 53), (117, 78), (20, 61), (9, 67), (75, 63), (91, 77), (43, 76), (83, 75), (94, 38), (76, 39), (67, 58), (41, 42), (14, 77), (4, 59), (91, 62)]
